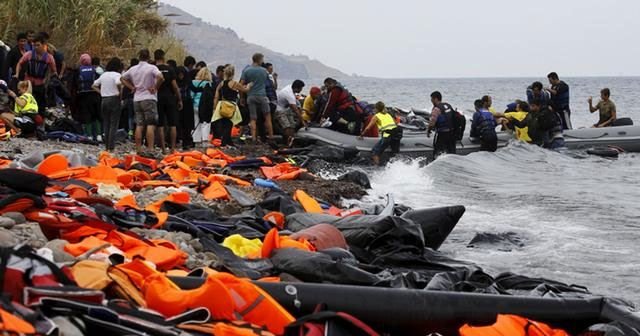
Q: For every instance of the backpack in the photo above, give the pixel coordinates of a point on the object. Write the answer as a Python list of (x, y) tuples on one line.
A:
[(37, 68), (459, 125), (328, 323), (457, 121), (205, 109)]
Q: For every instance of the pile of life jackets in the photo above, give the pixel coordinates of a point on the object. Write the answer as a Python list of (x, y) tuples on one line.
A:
[(115, 265), (124, 284)]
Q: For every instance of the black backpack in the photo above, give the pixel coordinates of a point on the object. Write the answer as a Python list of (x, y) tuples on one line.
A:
[(457, 121), (205, 109)]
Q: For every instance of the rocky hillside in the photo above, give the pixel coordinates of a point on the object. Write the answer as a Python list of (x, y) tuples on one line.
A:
[(218, 45)]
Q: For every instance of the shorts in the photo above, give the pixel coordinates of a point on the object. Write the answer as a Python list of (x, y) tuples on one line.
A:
[(167, 111), (258, 104), (285, 119), (146, 112)]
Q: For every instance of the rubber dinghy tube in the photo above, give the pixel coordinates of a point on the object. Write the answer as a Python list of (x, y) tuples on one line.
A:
[(420, 312)]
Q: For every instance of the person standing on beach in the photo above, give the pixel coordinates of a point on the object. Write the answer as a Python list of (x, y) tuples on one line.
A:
[(88, 99), (256, 98), (441, 120), (144, 80), (560, 99), (108, 85), (38, 65), (169, 102), (185, 75), (14, 56)]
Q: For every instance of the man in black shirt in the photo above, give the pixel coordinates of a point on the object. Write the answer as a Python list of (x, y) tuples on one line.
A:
[(185, 75), (169, 102), (560, 99), (14, 57)]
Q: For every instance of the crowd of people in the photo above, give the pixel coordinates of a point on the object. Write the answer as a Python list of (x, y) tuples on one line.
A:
[(155, 101), (161, 104)]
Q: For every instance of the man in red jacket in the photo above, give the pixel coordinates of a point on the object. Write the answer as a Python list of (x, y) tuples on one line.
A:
[(342, 110)]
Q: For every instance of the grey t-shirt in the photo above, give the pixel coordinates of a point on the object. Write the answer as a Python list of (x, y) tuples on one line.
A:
[(259, 77)]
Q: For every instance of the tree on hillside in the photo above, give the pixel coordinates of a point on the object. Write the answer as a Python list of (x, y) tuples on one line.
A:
[(100, 27)]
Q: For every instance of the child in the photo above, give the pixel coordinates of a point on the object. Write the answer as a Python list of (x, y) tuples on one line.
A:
[(23, 119), (391, 134)]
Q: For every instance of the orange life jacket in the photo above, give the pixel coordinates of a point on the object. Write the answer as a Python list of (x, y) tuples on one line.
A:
[(273, 241), (512, 325)]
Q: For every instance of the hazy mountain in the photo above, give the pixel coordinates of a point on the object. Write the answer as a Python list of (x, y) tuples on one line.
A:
[(217, 45)]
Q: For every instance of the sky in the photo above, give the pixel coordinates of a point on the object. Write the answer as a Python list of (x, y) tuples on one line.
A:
[(434, 38)]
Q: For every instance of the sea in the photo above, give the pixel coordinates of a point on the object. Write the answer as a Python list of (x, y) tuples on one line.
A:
[(565, 217)]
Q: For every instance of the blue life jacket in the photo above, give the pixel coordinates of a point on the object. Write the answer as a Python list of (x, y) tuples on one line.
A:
[(38, 67), (271, 91), (484, 124), (545, 97), (86, 76), (444, 123)]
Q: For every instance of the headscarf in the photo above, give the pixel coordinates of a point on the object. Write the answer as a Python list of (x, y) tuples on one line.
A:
[(85, 59)]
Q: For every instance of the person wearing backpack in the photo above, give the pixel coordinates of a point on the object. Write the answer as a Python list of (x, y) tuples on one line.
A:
[(483, 126), (89, 100), (202, 96), (38, 65), (144, 80), (443, 121), (227, 113)]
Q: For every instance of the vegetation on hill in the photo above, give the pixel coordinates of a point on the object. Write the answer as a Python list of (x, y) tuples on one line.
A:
[(104, 28)]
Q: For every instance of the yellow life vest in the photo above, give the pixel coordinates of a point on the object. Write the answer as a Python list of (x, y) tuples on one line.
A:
[(385, 123), (522, 134), (30, 107)]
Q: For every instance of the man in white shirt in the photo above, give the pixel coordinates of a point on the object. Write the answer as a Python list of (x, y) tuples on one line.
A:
[(144, 80), (288, 109)]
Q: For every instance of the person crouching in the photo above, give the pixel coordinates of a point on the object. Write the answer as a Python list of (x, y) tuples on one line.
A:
[(390, 133)]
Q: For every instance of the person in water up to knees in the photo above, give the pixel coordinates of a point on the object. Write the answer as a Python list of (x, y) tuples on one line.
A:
[(288, 110), (483, 126), (144, 80), (560, 99), (606, 107), (441, 121), (390, 133)]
